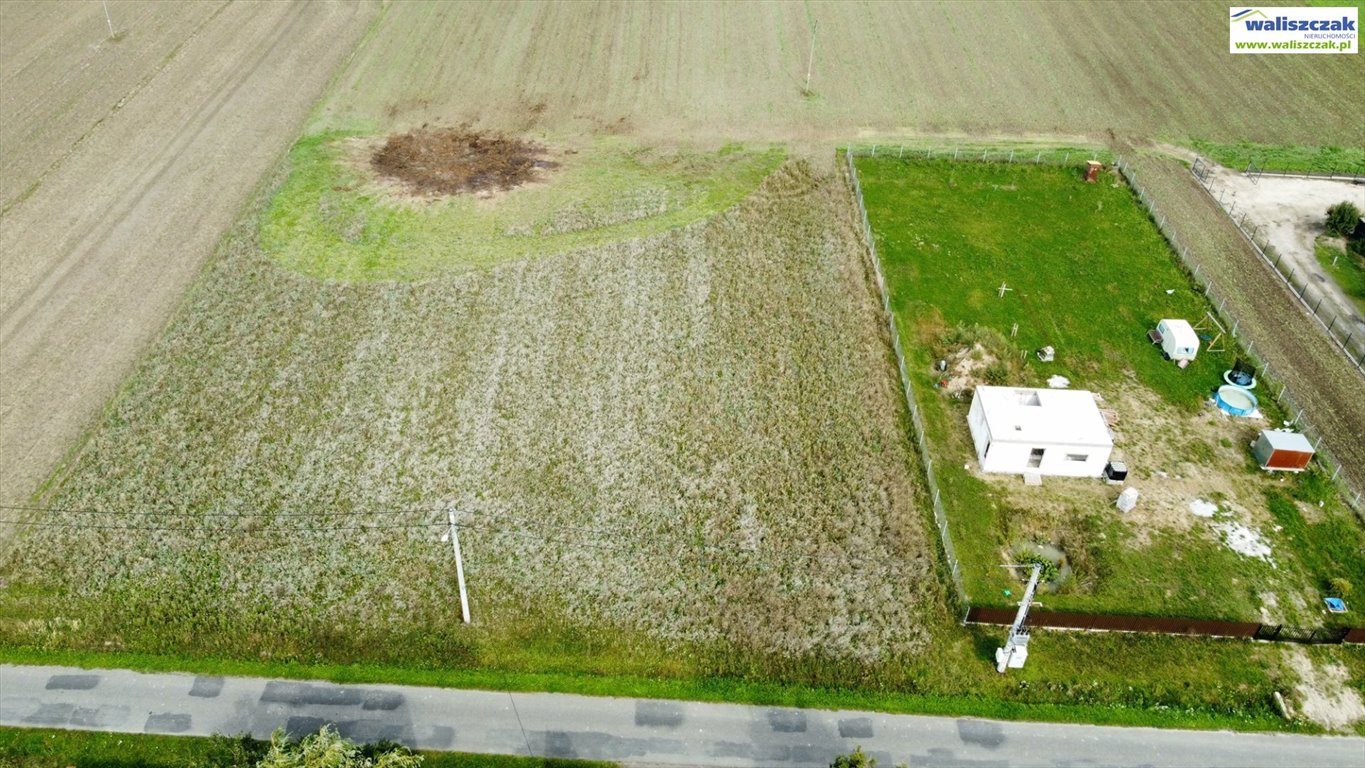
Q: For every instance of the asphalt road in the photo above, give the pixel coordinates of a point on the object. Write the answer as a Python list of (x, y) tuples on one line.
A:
[(632, 731)]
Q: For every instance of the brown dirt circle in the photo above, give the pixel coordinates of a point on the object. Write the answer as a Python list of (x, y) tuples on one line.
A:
[(459, 160)]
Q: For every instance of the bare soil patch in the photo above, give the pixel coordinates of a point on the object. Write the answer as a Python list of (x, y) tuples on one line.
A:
[(459, 160), (1323, 693), (1291, 212)]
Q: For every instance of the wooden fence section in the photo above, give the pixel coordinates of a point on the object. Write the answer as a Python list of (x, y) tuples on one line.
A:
[(1169, 625)]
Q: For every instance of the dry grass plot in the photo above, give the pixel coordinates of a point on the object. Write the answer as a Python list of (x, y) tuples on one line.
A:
[(671, 438)]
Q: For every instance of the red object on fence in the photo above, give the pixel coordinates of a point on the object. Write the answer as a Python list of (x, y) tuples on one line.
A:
[(1092, 171)]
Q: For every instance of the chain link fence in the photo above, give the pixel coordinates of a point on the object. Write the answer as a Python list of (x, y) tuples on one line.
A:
[(1340, 327), (1026, 155), (1273, 383), (916, 422)]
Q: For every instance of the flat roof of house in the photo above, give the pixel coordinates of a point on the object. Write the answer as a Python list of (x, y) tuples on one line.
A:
[(1044, 416)]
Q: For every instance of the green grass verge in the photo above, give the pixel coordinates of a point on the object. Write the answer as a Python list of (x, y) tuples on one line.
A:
[(1348, 271), (1165, 682), (1291, 158), (1089, 274), (332, 220), (51, 748)]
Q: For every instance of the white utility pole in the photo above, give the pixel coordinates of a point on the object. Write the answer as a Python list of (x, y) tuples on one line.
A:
[(459, 564), (108, 20), (810, 60), (1015, 652)]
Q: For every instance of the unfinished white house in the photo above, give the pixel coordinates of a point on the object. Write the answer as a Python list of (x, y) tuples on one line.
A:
[(1058, 432)]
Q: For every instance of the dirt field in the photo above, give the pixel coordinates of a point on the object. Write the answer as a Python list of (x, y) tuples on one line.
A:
[(60, 75), (146, 148), (712, 71), (1291, 212)]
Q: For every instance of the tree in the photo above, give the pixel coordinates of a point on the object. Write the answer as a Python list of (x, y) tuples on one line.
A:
[(327, 749), (854, 759), (1342, 219)]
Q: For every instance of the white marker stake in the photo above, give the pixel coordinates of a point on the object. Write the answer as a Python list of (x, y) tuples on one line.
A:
[(459, 566)]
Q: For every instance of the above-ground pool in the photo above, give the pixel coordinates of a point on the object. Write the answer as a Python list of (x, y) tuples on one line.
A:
[(1235, 400), (1241, 379)]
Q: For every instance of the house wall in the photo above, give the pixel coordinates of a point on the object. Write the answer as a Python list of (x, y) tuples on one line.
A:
[(976, 421), (1013, 458)]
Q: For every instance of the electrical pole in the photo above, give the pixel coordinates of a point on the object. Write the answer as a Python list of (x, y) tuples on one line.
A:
[(1015, 652), (810, 60), (459, 564), (108, 20)]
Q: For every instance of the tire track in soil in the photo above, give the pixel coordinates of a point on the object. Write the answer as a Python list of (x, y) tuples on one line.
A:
[(96, 264), (17, 318), (123, 101)]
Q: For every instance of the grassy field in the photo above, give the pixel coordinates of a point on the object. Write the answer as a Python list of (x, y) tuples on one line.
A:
[(284, 456), (720, 73), (662, 440), (1349, 159), (1089, 274), (1346, 270), (48, 748), (666, 417), (334, 219)]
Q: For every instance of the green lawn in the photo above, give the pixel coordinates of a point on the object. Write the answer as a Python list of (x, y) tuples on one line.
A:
[(1285, 157), (1089, 274), (1346, 270), (333, 219), (51, 748)]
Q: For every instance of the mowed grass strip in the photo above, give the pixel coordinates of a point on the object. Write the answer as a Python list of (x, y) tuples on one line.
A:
[(1089, 274), (51, 748), (1286, 158), (334, 218)]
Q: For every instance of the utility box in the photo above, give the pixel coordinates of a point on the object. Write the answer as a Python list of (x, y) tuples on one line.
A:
[(1282, 450), (1092, 170)]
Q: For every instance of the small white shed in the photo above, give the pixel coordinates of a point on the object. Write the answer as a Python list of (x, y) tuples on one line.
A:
[(1178, 339), (1058, 432)]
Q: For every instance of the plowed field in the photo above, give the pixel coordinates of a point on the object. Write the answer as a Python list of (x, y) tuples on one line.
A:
[(146, 149)]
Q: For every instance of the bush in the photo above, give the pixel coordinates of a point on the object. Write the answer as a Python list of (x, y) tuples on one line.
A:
[(1049, 567), (1342, 219), (1356, 248), (854, 759)]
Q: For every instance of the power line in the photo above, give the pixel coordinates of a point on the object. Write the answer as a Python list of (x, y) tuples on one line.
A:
[(179, 528), (187, 514)]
